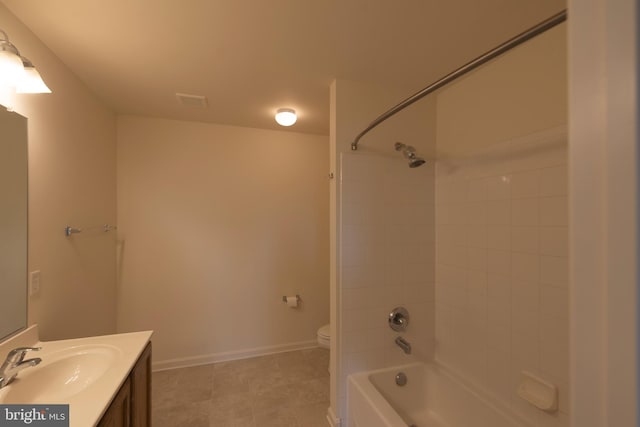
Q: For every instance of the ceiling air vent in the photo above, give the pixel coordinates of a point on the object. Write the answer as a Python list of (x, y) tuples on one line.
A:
[(195, 101)]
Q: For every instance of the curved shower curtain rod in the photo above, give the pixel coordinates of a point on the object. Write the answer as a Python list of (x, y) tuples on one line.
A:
[(486, 57)]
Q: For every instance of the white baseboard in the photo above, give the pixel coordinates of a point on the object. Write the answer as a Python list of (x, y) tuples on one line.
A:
[(332, 419), (206, 359)]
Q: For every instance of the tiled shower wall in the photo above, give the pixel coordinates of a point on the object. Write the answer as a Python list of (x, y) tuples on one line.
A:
[(502, 261), (388, 245)]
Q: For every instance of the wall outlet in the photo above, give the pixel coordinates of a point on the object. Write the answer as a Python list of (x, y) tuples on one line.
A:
[(34, 283)]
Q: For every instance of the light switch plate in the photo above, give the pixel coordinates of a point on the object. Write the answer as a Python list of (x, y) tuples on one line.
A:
[(34, 283)]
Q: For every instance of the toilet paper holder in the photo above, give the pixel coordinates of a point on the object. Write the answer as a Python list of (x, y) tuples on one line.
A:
[(298, 299)]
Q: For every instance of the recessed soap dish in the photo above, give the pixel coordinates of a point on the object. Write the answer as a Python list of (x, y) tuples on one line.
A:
[(540, 393)]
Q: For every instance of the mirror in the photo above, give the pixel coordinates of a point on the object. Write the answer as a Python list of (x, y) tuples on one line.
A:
[(13, 222)]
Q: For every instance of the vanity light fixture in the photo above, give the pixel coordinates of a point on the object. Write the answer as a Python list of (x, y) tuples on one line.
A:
[(18, 72), (11, 69), (31, 82), (286, 116)]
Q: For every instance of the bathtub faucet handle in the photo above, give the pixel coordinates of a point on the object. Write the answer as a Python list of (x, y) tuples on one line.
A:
[(399, 319)]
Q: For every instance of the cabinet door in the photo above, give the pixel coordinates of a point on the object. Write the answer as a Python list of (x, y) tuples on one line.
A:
[(119, 412), (141, 390)]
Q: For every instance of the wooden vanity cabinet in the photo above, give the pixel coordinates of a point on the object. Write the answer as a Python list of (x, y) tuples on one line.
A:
[(131, 407), (119, 412), (141, 390)]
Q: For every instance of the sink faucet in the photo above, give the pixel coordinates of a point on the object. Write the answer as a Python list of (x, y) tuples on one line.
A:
[(404, 345), (15, 363)]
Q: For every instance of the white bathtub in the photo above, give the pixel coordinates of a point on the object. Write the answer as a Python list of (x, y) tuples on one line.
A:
[(432, 397)]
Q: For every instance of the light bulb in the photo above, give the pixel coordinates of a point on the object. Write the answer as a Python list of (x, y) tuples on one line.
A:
[(11, 69), (286, 116)]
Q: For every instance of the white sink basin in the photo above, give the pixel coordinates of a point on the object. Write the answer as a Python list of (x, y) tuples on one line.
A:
[(84, 373), (61, 374)]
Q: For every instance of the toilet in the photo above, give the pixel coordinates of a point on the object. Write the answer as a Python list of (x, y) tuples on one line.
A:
[(324, 336)]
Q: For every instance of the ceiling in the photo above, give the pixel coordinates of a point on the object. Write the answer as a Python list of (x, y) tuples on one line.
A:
[(250, 57)]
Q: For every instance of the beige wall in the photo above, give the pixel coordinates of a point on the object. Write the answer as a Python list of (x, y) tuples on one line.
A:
[(502, 225), (216, 224), (72, 154), (522, 92)]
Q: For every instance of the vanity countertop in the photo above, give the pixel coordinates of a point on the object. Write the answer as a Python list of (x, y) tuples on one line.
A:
[(85, 373)]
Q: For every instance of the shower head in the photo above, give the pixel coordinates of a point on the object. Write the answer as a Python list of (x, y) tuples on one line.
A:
[(409, 153), (414, 163)]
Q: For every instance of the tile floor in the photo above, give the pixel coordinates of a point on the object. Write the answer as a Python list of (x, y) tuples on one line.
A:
[(285, 390)]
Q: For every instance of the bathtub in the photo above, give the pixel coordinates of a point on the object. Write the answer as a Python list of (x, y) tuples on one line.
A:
[(432, 397)]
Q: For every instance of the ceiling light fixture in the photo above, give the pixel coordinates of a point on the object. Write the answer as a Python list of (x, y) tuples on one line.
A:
[(18, 72), (286, 116)]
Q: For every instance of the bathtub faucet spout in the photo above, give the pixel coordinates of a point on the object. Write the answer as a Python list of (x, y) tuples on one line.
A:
[(404, 345)]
